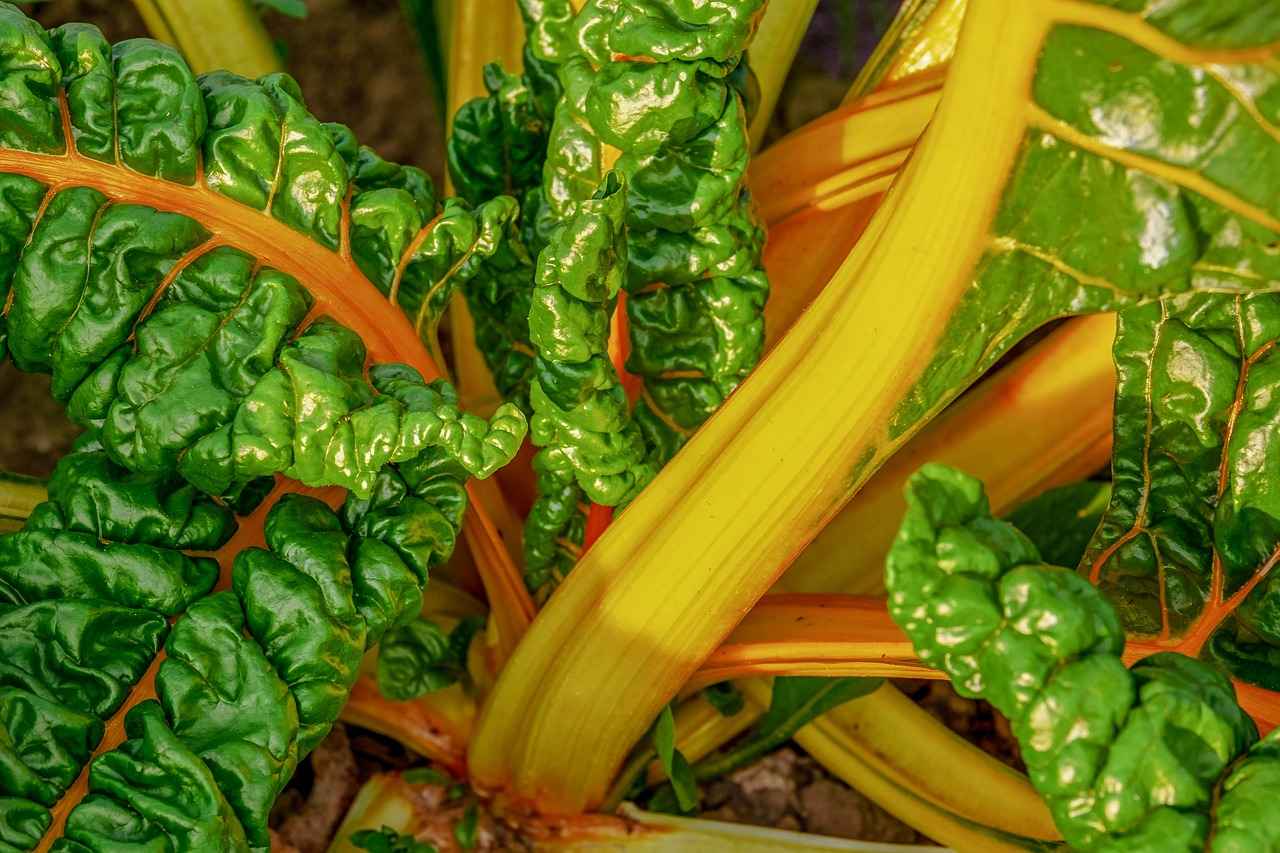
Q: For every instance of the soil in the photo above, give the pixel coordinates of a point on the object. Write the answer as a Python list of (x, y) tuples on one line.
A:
[(358, 63)]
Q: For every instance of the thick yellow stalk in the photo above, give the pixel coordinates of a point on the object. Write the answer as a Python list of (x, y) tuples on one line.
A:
[(656, 595), (1042, 420), (772, 51), (888, 748), (213, 34), (819, 187), (921, 39)]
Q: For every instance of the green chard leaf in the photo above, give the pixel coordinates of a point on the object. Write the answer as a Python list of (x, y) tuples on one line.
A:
[(420, 658), (1061, 521), (163, 261), (692, 269), (1189, 540), (1157, 757)]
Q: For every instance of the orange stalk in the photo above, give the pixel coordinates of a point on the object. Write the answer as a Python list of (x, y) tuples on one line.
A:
[(847, 635), (826, 635)]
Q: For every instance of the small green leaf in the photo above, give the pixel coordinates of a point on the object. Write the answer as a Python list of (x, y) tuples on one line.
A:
[(674, 763), (420, 658), (387, 840), (427, 776), (292, 8), (465, 830), (725, 698)]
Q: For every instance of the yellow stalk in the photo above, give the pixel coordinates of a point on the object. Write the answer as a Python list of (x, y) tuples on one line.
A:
[(921, 39), (18, 497), (772, 51), (1041, 421), (386, 800), (890, 749), (819, 187), (689, 557), (213, 34), (476, 34), (816, 165)]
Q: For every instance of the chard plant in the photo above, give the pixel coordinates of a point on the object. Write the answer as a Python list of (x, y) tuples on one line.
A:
[(754, 490)]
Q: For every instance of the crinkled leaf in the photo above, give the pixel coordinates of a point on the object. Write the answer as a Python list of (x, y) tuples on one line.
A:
[(420, 657), (1157, 757)]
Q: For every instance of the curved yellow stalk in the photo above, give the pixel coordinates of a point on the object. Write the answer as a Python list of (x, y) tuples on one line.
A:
[(645, 832), (819, 164), (921, 39), (213, 34), (819, 187), (695, 550), (1042, 420), (890, 749), (772, 51)]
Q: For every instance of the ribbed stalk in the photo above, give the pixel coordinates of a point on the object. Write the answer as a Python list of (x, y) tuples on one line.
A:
[(1040, 421), (709, 536), (213, 34), (772, 51)]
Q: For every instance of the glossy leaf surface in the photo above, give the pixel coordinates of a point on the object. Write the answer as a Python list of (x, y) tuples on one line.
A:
[(1157, 757), (169, 246)]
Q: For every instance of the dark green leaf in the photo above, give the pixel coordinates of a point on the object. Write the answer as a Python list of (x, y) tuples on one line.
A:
[(464, 831), (420, 658), (725, 698), (1061, 521)]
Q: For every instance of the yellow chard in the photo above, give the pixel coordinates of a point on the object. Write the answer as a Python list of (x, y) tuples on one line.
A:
[(960, 262)]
